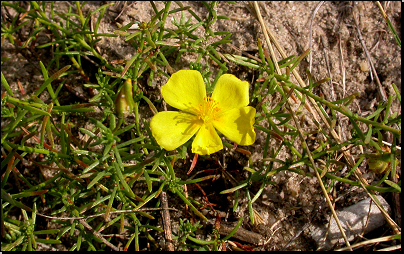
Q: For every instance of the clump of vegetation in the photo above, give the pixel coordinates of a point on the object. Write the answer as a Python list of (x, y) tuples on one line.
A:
[(98, 181)]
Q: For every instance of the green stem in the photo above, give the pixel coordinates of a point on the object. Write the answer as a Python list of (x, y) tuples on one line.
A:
[(344, 110)]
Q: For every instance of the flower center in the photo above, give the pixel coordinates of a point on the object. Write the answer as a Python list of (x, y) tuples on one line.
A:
[(208, 110)]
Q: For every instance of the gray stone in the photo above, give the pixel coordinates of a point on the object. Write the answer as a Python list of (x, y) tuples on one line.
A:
[(353, 220)]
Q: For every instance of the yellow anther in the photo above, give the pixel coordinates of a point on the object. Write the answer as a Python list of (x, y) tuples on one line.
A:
[(208, 110)]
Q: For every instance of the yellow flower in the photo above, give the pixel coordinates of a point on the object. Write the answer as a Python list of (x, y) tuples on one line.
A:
[(226, 111)]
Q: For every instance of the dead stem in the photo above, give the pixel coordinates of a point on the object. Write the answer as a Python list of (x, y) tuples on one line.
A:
[(166, 221), (242, 234), (98, 235)]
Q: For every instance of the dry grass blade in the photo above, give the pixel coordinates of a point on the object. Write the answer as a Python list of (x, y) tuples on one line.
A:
[(386, 18), (271, 38), (331, 206), (264, 30), (373, 241)]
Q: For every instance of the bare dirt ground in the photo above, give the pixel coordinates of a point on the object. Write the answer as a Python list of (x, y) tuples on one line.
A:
[(294, 201)]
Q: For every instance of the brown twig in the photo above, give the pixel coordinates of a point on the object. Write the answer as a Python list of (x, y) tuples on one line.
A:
[(98, 235), (211, 205), (242, 234), (166, 221), (122, 10)]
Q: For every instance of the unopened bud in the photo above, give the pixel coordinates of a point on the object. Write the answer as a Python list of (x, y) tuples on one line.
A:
[(124, 102)]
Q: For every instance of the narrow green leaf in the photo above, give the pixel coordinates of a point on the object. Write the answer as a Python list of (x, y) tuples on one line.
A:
[(129, 64), (147, 179), (49, 80), (96, 179), (234, 188), (235, 200), (5, 196), (368, 135), (11, 246), (48, 241), (110, 202), (151, 106), (6, 85), (241, 62), (258, 194), (397, 92), (27, 106), (25, 194), (47, 231), (300, 58), (190, 205), (394, 185), (201, 242)]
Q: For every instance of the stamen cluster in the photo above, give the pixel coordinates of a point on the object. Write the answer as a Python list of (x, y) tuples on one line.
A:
[(208, 110)]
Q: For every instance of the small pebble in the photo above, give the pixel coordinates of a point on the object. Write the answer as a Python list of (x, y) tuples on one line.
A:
[(364, 66)]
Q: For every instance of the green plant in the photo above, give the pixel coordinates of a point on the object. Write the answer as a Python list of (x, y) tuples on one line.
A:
[(93, 169)]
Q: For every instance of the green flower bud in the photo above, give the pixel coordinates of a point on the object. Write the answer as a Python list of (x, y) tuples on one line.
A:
[(378, 163), (124, 102)]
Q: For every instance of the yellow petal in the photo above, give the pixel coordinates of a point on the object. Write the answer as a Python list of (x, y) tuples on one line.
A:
[(230, 92), (206, 141), (237, 125), (185, 90), (172, 129)]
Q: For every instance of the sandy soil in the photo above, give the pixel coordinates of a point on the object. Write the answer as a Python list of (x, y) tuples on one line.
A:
[(294, 201)]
